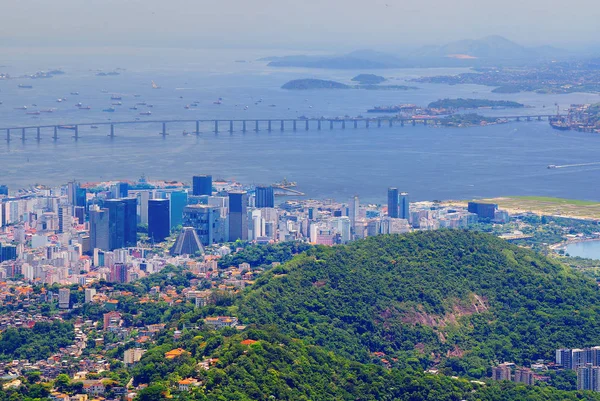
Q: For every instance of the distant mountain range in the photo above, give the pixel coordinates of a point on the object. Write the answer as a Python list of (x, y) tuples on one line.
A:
[(491, 50)]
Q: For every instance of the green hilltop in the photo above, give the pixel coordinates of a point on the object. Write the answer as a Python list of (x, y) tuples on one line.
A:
[(455, 298)]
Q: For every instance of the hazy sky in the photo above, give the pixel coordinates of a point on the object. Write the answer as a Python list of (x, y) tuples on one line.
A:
[(318, 24)]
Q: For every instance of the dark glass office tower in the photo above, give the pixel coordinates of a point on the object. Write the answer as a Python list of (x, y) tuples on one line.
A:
[(393, 202), (178, 203), (404, 206), (238, 216), (80, 197), (122, 190), (158, 219), (99, 229), (3, 190), (116, 223), (264, 197), (202, 185), (130, 216)]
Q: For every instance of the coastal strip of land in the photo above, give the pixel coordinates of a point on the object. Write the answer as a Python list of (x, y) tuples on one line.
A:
[(545, 206)]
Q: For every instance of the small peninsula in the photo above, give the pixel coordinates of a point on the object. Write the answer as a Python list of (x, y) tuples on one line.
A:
[(473, 104)]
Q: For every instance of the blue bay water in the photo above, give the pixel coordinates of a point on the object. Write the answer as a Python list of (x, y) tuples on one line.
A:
[(587, 249), (430, 163)]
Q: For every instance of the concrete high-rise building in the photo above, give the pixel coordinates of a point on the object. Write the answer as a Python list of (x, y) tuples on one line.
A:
[(64, 218), (393, 202), (264, 196), (524, 376), (353, 209), (178, 203), (99, 229), (342, 226), (258, 224), (72, 187), (158, 219), (133, 355), (118, 273), (404, 206), (588, 377), (64, 298), (238, 216), (143, 198), (89, 295), (501, 372), (207, 222), (202, 185)]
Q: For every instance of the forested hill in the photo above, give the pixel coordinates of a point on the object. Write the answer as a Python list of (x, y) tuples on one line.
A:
[(265, 365), (456, 297)]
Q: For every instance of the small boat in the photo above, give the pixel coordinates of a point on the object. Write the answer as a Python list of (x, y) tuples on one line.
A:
[(104, 91), (75, 93), (185, 133), (150, 105), (551, 166), (141, 104), (78, 104), (109, 110), (145, 113), (217, 102), (137, 95), (47, 111), (133, 108), (245, 107), (115, 97), (25, 86), (35, 113), (187, 106), (21, 108), (94, 127), (85, 108), (154, 86), (272, 105), (117, 103)]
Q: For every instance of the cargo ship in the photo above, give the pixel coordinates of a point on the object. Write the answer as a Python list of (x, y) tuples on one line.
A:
[(25, 86), (559, 124)]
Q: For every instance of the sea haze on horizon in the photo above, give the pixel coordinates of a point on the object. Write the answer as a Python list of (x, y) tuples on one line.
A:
[(430, 163)]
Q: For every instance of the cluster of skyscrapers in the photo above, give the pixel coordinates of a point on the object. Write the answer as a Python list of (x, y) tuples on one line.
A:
[(398, 204), (216, 219)]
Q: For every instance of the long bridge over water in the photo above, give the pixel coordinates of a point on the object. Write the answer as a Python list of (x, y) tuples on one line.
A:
[(243, 125)]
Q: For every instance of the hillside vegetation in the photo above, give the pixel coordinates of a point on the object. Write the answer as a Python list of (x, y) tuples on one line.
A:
[(464, 299), (266, 365)]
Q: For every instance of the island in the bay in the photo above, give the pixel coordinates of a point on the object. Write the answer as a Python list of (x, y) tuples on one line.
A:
[(310, 83), (461, 103), (369, 79)]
